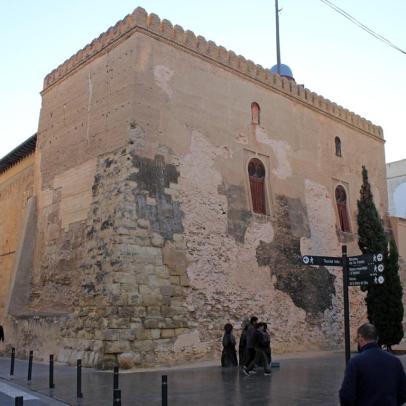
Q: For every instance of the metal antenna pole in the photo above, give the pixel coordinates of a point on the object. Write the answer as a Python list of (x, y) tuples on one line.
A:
[(278, 50)]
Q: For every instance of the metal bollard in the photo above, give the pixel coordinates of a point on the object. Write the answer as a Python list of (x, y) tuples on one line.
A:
[(30, 358), (79, 393), (164, 390), (115, 378), (19, 401), (51, 372), (116, 397), (13, 357)]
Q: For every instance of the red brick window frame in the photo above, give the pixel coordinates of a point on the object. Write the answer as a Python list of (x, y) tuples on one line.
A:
[(341, 200), (256, 173), (255, 113)]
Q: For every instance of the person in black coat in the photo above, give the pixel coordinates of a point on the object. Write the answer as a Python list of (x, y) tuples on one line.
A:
[(242, 347), (250, 336), (1, 334), (267, 343), (373, 377), (229, 353)]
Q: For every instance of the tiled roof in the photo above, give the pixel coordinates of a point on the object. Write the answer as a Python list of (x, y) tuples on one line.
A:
[(19, 153)]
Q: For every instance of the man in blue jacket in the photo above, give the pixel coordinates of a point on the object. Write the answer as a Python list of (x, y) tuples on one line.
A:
[(373, 377)]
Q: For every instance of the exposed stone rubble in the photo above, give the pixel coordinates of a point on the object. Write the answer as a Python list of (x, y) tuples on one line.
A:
[(147, 240)]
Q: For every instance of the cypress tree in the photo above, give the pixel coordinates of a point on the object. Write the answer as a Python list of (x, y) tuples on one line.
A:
[(391, 330), (384, 302), (371, 235)]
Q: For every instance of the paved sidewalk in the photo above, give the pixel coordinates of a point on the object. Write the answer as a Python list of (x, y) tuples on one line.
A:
[(11, 390), (305, 381)]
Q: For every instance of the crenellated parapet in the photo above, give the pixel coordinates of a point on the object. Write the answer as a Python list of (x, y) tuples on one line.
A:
[(151, 24)]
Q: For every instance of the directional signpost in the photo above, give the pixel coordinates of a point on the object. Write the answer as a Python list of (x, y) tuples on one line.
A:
[(364, 270), (361, 270), (325, 261)]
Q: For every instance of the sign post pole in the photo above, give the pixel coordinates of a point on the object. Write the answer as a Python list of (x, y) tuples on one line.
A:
[(346, 305), (361, 270)]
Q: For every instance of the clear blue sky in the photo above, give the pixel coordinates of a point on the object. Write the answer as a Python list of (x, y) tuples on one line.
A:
[(327, 53)]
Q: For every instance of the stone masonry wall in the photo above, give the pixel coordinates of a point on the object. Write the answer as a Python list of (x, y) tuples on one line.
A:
[(16, 187), (147, 242), (131, 306)]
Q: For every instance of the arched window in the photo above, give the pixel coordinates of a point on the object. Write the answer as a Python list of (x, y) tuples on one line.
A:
[(338, 146), (256, 172), (255, 113), (341, 200)]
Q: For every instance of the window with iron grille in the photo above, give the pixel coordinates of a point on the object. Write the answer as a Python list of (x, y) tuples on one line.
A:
[(341, 200)]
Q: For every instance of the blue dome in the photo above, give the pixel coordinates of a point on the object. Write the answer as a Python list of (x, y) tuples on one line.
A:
[(285, 71)]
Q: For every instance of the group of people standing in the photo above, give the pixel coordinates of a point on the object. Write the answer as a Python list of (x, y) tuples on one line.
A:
[(254, 347)]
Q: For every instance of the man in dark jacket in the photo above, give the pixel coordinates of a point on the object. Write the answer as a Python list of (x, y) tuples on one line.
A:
[(250, 337), (373, 377), (260, 345)]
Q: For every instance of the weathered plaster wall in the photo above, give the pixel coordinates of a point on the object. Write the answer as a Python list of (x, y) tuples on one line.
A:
[(396, 175), (147, 243), (16, 187), (396, 183), (401, 234), (240, 263), (398, 225)]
